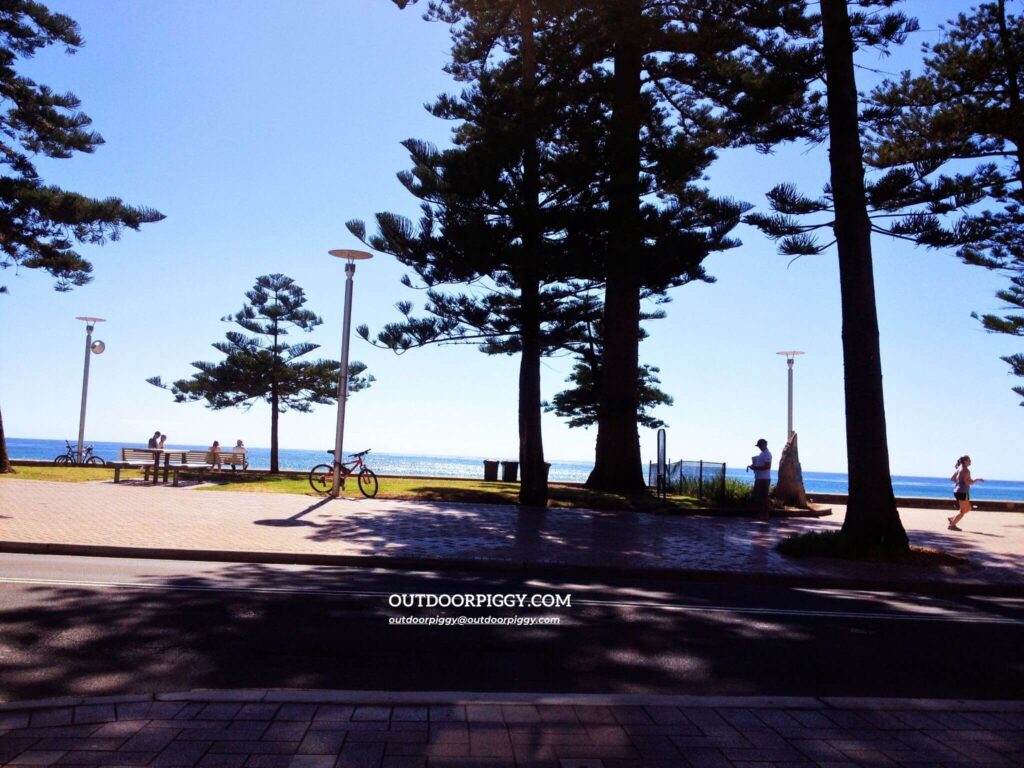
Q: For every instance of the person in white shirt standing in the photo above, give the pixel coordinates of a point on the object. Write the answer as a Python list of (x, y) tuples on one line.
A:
[(762, 466)]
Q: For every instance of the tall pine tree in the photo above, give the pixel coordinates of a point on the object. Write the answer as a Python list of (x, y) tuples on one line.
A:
[(649, 225), (495, 208), (41, 224), (872, 520), (687, 79)]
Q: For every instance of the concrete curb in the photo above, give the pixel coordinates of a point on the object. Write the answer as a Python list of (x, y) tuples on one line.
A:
[(518, 567), (943, 504), (408, 698)]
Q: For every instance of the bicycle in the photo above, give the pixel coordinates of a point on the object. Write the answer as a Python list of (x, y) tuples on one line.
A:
[(71, 456), (321, 477)]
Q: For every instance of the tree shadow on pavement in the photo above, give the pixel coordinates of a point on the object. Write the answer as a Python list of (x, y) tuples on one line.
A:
[(620, 541), (475, 532), (253, 626), (984, 565)]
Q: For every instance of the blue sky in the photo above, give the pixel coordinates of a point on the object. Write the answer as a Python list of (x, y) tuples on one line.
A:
[(260, 128)]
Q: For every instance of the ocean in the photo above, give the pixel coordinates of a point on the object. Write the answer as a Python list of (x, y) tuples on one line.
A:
[(561, 471)]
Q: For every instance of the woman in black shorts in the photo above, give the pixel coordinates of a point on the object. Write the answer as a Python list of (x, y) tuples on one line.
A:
[(962, 489)]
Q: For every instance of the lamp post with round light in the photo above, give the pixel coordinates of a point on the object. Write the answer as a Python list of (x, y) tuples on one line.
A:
[(91, 348), (351, 257), (790, 355)]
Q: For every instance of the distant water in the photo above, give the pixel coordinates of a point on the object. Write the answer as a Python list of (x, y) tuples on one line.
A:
[(563, 471)]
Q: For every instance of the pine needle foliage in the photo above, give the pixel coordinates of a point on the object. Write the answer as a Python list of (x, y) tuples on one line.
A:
[(951, 144), (41, 224)]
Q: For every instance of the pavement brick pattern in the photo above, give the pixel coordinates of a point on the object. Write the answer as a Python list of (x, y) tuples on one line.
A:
[(104, 514), (299, 734)]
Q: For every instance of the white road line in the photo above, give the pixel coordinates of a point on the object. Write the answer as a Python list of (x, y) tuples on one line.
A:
[(940, 616), (972, 618), (189, 587)]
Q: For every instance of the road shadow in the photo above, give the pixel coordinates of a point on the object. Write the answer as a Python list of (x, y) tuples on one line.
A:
[(621, 540), (255, 626)]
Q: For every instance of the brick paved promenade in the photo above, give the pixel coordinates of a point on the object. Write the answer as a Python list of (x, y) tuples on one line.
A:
[(193, 520), (280, 729)]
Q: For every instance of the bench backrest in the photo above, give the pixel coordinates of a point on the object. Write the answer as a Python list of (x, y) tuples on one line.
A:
[(202, 457), (181, 457), (134, 454), (233, 457)]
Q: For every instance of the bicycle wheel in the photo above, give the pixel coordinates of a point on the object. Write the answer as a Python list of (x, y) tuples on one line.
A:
[(98, 460), (62, 459), (321, 478), (368, 483)]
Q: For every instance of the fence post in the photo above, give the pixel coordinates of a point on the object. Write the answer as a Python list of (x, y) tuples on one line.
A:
[(661, 463)]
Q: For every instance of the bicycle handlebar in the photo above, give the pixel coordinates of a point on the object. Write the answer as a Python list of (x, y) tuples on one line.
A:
[(353, 455)]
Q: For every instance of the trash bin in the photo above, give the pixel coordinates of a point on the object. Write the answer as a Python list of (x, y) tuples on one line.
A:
[(509, 471), (490, 470)]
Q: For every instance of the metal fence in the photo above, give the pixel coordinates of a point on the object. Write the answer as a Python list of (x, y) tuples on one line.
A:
[(702, 479)]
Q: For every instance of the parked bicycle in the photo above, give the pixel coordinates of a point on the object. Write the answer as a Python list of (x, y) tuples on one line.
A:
[(321, 477), (71, 456)]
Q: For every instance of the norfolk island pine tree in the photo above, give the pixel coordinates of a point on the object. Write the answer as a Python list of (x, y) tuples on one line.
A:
[(872, 520), (683, 231), (41, 224), (678, 243), (681, 62), (488, 223)]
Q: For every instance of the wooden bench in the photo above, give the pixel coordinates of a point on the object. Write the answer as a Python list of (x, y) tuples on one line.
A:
[(132, 458), (179, 461), (174, 462)]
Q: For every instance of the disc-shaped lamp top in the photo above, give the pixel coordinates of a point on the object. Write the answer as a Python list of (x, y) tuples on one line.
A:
[(98, 347), (342, 253), (790, 353), (91, 319)]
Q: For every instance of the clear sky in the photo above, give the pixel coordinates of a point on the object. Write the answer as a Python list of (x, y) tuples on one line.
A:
[(260, 128)]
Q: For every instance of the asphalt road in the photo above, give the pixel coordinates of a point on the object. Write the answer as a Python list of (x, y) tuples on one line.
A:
[(91, 626)]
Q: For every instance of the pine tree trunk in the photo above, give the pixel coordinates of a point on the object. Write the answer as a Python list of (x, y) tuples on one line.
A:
[(5, 460), (617, 455), (274, 414), (533, 490), (872, 519)]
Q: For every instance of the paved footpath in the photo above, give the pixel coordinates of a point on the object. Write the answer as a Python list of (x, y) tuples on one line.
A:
[(306, 729), (139, 520)]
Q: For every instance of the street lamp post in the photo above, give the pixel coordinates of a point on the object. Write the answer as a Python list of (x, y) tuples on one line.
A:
[(351, 257), (790, 355), (91, 347)]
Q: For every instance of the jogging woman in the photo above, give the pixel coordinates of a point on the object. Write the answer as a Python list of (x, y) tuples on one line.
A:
[(962, 489)]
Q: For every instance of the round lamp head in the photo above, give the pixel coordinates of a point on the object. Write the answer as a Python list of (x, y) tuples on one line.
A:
[(790, 353), (98, 347), (342, 253), (91, 320)]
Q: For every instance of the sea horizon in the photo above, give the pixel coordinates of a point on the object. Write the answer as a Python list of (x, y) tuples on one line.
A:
[(471, 467)]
